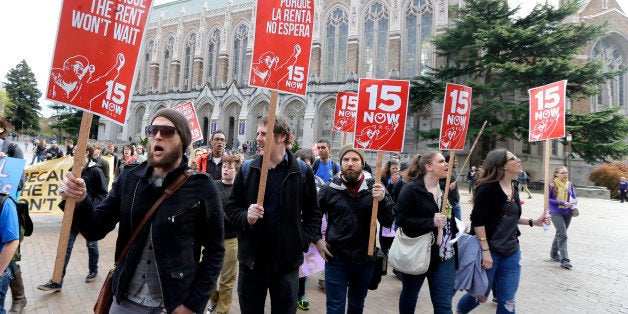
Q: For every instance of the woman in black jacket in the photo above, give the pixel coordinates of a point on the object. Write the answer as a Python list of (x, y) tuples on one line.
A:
[(418, 212)]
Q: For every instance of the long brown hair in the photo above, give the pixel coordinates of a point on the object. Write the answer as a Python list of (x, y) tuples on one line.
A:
[(413, 169), (417, 165), (493, 167)]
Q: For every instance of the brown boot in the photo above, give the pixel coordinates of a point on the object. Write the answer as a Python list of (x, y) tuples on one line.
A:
[(17, 291)]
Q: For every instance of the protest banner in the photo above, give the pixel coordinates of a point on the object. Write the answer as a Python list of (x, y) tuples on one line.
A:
[(96, 50), (345, 114), (455, 119), (188, 110), (380, 125), (41, 187), (285, 66), (11, 170), (313, 263)]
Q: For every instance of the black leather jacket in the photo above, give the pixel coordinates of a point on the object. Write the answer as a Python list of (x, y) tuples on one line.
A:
[(187, 222)]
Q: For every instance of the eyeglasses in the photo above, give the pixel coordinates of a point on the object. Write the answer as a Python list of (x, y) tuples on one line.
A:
[(513, 158), (166, 131), (219, 139)]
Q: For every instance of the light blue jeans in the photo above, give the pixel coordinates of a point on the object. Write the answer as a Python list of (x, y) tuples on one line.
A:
[(505, 275)]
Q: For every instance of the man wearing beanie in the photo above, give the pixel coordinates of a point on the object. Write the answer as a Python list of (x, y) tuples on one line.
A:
[(348, 201), (174, 262), (273, 237)]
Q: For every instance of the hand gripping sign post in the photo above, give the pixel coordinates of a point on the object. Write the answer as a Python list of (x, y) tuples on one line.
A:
[(97, 46), (345, 114), (547, 121), (380, 125), (280, 67), (188, 110), (453, 130)]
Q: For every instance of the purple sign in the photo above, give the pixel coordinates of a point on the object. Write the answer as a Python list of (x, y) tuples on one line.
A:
[(242, 127)]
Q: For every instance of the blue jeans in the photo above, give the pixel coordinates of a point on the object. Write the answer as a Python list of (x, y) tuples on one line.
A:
[(559, 245), (340, 276), (505, 275), (92, 251), (5, 277), (441, 283), (458, 211)]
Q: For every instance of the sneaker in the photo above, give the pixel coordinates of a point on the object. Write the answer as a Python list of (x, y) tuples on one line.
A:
[(91, 276), (303, 304), (50, 286), (566, 264), (555, 258), (529, 196)]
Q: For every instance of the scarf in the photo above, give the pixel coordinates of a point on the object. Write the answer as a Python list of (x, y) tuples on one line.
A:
[(561, 190)]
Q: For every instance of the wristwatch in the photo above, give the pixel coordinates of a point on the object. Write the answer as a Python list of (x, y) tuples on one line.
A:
[(531, 222)]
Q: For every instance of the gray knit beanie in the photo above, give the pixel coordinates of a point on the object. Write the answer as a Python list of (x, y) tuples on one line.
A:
[(348, 148), (179, 121)]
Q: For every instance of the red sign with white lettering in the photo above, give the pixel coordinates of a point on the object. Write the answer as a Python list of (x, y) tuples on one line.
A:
[(381, 117), (283, 40), (547, 111), (456, 113), (97, 46), (345, 113), (188, 110)]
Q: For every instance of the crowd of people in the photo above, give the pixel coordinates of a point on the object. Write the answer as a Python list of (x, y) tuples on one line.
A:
[(211, 229)]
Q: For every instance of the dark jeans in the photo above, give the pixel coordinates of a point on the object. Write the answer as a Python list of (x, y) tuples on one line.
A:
[(92, 251), (341, 276), (301, 294), (441, 283), (5, 277), (253, 285), (623, 195)]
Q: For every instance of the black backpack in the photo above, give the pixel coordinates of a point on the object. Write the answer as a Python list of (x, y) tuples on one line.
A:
[(23, 216)]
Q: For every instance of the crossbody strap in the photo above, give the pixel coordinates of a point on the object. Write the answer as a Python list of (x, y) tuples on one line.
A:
[(169, 191)]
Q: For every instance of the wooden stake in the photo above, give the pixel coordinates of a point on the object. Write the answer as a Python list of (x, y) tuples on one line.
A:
[(344, 138), (443, 206), (267, 147), (378, 178), (471, 150), (546, 160), (68, 213)]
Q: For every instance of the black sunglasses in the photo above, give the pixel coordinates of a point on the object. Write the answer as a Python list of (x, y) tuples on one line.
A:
[(165, 130)]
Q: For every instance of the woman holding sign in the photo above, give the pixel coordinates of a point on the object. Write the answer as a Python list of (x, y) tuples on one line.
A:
[(494, 218), (418, 212)]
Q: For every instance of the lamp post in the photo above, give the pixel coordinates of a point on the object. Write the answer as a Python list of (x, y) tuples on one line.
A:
[(568, 157)]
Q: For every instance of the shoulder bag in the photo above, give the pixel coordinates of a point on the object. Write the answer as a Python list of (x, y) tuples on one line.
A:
[(105, 297), (411, 255)]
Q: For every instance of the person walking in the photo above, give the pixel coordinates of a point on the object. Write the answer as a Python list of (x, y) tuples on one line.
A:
[(419, 212), (471, 178), (96, 185), (348, 201), (273, 236), (494, 219), (623, 189), (174, 262), (562, 201), (524, 179), (38, 151)]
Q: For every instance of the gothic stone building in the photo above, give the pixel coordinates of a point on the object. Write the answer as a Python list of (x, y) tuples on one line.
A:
[(200, 50)]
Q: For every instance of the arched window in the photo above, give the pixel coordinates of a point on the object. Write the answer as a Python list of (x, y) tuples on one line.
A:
[(188, 65), (239, 52), (374, 61), (146, 70), (295, 112), (165, 65), (417, 55), (213, 49), (613, 92), (336, 46)]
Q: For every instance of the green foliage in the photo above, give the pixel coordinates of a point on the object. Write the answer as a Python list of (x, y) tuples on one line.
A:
[(599, 135), (67, 120), (295, 145), (500, 56), (608, 175), (22, 90), (143, 141)]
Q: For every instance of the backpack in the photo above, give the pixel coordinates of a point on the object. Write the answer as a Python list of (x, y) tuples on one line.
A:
[(23, 216), (334, 166)]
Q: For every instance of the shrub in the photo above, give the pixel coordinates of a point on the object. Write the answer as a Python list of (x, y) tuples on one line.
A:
[(608, 175)]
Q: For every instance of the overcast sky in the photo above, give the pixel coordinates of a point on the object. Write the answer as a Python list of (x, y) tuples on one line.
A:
[(29, 30)]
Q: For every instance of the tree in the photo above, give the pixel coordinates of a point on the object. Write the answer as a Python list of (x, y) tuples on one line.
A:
[(5, 102), (501, 56), (22, 89), (68, 120), (588, 130)]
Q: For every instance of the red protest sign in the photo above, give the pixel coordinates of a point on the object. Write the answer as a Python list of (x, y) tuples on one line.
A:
[(547, 111), (187, 108), (455, 122), (381, 117), (95, 55), (283, 40), (345, 113)]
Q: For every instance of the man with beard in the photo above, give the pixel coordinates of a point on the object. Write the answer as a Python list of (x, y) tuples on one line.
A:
[(174, 262), (273, 237), (348, 201), (211, 162)]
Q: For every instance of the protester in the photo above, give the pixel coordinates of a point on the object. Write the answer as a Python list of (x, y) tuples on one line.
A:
[(524, 179), (562, 201), (348, 200), (273, 236), (9, 241), (623, 189), (69, 147), (471, 178), (128, 157), (96, 185), (324, 167), (38, 151), (140, 154), (404, 171), (454, 195), (174, 262), (220, 300), (101, 162), (419, 212), (53, 152), (494, 219), (390, 174), (211, 162)]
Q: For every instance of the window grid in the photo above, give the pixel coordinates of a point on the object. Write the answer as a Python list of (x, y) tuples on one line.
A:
[(376, 41), (239, 51), (336, 42)]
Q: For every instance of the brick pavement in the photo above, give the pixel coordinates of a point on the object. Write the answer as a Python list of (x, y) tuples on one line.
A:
[(597, 284)]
